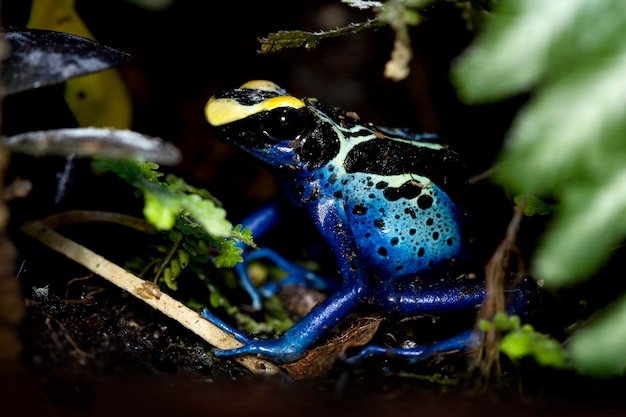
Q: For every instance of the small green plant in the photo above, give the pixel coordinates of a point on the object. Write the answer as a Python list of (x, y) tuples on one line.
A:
[(523, 340), (196, 232), (165, 200), (533, 205)]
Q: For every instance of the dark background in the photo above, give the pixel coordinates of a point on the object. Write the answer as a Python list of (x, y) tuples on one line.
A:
[(191, 50)]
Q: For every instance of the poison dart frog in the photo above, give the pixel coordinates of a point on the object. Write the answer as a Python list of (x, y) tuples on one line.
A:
[(383, 199)]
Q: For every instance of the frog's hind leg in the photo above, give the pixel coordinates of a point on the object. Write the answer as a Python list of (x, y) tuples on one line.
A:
[(440, 298), (458, 343)]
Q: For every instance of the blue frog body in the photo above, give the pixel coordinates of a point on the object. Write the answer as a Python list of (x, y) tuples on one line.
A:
[(386, 202)]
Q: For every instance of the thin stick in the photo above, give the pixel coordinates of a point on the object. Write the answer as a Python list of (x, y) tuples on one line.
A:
[(72, 217), (145, 291)]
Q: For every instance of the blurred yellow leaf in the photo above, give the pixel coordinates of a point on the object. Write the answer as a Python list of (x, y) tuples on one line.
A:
[(100, 99)]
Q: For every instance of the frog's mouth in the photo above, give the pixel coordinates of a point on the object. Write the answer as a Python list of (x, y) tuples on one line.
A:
[(247, 135)]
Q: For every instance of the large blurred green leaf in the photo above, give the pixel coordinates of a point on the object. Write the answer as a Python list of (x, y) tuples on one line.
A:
[(535, 41), (599, 349), (568, 142)]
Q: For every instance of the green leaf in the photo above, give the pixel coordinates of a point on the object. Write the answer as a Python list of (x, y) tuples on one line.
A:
[(566, 143), (587, 214), (230, 255), (165, 202), (161, 214), (517, 344), (485, 325), (244, 235), (278, 41), (525, 341), (549, 352), (212, 217), (572, 130), (532, 205), (504, 322), (533, 41), (600, 348)]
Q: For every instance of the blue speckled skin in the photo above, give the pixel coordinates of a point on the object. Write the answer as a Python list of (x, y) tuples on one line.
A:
[(383, 200)]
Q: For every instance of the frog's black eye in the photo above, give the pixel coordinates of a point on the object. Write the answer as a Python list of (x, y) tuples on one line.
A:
[(284, 123)]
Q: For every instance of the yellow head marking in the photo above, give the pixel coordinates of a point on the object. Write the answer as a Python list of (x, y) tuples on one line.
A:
[(281, 101), (264, 85), (220, 111)]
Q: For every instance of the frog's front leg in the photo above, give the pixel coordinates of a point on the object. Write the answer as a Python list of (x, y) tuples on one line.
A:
[(329, 217), (259, 223), (295, 274)]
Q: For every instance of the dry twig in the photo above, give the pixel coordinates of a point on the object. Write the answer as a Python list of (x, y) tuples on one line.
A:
[(144, 290)]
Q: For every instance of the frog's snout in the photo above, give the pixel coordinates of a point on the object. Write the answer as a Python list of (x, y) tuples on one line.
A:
[(219, 111)]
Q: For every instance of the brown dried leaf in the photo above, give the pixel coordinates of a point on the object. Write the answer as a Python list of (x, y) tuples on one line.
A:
[(319, 361)]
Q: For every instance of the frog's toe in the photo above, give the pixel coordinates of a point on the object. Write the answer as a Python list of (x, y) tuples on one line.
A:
[(241, 270), (232, 352), (206, 314), (279, 350)]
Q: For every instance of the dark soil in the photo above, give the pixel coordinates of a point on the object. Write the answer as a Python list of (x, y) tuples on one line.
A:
[(111, 356)]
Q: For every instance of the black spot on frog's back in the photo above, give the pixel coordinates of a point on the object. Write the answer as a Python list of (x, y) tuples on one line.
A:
[(408, 190), (424, 202), (391, 157)]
